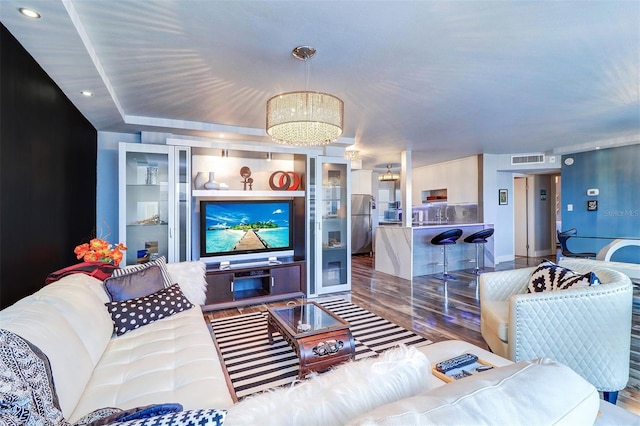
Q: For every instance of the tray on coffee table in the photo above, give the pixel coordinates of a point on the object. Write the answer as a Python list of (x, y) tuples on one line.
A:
[(473, 368)]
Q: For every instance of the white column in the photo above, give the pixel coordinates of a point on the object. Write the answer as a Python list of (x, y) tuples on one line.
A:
[(405, 188)]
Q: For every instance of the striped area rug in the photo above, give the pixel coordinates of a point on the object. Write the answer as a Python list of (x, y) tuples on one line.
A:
[(254, 365)]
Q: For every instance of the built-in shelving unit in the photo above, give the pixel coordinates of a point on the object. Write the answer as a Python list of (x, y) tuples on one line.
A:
[(246, 174), (154, 201), (434, 195), (160, 202), (333, 242)]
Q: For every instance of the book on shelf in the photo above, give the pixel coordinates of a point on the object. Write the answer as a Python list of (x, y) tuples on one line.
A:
[(461, 372)]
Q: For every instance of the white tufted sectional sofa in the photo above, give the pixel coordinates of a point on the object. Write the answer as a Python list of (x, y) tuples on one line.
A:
[(175, 360), (171, 360)]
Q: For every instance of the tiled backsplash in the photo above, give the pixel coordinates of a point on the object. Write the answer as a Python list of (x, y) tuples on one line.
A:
[(441, 213)]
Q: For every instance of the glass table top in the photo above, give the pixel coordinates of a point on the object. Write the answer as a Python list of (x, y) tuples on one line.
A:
[(307, 318)]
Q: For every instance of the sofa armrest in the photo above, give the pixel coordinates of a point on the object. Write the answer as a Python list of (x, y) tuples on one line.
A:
[(501, 285), (539, 392), (588, 329)]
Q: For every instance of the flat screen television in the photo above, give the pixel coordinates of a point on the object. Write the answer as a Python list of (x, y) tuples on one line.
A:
[(245, 229)]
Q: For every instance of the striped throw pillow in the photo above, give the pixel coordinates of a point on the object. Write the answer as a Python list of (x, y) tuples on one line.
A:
[(161, 262)]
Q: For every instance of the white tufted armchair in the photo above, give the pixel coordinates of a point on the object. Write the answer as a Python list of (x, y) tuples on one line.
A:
[(587, 328)]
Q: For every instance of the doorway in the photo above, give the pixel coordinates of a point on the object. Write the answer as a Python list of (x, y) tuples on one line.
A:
[(535, 220), (520, 217), (557, 214)]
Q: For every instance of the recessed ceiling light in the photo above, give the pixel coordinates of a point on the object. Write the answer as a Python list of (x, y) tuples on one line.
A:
[(29, 13), (86, 93)]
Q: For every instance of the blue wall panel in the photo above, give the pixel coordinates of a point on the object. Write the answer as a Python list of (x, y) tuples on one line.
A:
[(615, 172)]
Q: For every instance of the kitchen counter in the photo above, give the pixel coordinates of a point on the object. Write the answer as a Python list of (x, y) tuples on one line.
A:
[(407, 252), (418, 225), (428, 224)]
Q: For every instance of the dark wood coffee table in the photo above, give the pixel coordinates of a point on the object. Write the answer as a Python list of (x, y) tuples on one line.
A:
[(319, 338)]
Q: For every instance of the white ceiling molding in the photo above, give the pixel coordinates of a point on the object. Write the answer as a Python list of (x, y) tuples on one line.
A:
[(499, 78), (77, 23)]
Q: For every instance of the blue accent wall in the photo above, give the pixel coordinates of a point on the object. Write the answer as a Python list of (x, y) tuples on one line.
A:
[(615, 172)]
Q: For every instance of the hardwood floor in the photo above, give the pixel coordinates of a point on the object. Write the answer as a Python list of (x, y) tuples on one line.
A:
[(432, 309), (438, 312), (424, 304)]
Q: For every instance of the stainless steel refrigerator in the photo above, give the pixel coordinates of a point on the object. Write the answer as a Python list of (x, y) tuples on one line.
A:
[(362, 223)]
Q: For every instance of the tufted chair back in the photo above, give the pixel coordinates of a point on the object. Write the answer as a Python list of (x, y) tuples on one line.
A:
[(586, 328)]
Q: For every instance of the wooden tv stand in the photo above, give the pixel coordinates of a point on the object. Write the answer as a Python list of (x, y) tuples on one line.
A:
[(254, 283)]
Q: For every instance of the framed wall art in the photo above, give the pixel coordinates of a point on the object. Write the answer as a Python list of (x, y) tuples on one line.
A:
[(503, 197)]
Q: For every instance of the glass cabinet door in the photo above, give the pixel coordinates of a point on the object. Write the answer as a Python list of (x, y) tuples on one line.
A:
[(147, 208), (334, 206), (183, 203)]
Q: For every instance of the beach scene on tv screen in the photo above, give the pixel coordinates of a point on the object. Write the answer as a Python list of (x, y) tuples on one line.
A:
[(241, 227)]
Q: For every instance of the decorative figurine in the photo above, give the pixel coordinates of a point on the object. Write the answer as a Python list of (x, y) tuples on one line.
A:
[(245, 172)]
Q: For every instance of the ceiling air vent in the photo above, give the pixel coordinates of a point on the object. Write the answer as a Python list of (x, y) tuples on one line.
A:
[(527, 159)]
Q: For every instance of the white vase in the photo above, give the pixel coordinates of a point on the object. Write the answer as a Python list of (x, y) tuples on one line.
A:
[(212, 184), (200, 180)]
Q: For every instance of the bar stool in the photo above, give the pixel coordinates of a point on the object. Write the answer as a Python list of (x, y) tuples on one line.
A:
[(478, 238), (445, 238)]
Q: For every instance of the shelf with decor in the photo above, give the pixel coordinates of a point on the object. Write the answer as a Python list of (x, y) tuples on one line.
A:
[(434, 196), (197, 193), (246, 173), (146, 225)]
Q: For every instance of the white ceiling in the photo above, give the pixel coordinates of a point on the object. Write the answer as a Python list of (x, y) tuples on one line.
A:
[(444, 79)]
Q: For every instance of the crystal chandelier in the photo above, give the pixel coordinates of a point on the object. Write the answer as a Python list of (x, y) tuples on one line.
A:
[(305, 118)]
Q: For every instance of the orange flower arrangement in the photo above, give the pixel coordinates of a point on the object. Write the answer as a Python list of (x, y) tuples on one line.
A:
[(99, 250)]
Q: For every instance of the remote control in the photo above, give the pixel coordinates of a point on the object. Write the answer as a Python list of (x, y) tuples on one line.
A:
[(484, 368), (457, 362)]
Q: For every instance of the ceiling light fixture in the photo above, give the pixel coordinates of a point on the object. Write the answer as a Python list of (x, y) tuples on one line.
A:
[(352, 154), (305, 118), (29, 13), (86, 93), (388, 176)]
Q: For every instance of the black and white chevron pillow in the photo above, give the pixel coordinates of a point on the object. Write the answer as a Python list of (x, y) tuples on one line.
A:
[(549, 277), (206, 417)]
